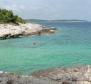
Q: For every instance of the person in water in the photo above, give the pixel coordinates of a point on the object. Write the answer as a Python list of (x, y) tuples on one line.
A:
[(39, 33), (34, 43)]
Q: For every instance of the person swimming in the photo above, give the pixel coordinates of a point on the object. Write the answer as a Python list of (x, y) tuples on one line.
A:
[(34, 43)]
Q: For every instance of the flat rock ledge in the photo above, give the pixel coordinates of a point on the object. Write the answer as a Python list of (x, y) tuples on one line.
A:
[(78, 75), (8, 31)]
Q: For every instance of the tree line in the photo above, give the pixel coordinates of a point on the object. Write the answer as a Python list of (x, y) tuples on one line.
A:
[(7, 16)]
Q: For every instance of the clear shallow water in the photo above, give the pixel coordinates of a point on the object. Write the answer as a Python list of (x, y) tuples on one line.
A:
[(70, 46)]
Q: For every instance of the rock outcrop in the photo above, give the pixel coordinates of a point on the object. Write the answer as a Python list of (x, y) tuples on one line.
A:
[(13, 31), (78, 75)]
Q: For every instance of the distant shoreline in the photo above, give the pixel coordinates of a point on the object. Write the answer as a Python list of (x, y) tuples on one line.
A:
[(64, 20)]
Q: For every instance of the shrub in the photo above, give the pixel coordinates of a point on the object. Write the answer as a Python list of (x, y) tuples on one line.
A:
[(7, 16)]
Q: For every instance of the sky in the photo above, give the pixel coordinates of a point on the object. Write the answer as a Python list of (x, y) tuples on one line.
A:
[(50, 9)]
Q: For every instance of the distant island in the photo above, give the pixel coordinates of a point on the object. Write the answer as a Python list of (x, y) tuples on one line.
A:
[(69, 20), (64, 20)]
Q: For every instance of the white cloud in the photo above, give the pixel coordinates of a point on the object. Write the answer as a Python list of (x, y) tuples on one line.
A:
[(49, 8), (14, 7), (22, 7)]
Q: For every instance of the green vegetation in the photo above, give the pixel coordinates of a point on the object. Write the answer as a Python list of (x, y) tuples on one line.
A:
[(7, 16)]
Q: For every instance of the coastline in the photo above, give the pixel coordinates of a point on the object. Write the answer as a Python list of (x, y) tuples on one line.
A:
[(76, 75), (11, 30)]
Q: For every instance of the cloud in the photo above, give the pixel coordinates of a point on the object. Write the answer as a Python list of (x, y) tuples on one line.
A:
[(49, 9), (14, 7)]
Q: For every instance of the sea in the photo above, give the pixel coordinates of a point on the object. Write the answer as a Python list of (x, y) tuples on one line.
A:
[(70, 46)]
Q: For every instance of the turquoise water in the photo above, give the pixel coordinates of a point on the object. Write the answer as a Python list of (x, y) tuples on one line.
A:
[(70, 46)]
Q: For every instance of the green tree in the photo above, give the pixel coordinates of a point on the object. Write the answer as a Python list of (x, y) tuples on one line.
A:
[(7, 16)]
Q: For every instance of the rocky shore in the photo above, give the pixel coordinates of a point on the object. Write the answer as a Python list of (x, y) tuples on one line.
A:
[(77, 75), (14, 31)]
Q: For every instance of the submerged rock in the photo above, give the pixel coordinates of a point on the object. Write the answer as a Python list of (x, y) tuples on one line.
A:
[(78, 75), (49, 30)]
